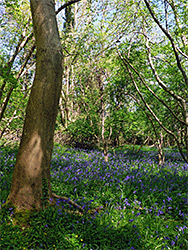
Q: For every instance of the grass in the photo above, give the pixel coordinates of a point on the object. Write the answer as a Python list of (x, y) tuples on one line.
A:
[(140, 205)]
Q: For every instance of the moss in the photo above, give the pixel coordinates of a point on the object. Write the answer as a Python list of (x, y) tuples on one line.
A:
[(8, 204), (18, 217), (22, 218)]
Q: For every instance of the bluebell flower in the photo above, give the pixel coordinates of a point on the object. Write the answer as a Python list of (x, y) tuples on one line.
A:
[(172, 243)]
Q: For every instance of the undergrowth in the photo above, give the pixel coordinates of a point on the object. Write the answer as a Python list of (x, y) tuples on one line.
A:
[(139, 205)]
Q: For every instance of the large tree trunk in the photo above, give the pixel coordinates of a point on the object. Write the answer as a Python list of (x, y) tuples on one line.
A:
[(31, 176)]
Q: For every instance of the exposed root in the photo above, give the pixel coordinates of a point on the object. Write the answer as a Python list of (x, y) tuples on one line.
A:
[(69, 201)]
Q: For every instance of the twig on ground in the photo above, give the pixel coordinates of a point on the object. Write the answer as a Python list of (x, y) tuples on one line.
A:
[(69, 201)]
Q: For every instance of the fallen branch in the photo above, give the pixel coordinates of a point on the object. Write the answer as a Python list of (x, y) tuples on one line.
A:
[(69, 201), (90, 211)]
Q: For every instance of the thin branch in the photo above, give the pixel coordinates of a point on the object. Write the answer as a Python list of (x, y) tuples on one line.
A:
[(66, 5), (150, 110), (171, 40), (156, 96), (21, 44), (160, 82), (5, 103), (26, 61), (181, 52), (8, 123), (149, 118), (69, 201), (183, 38)]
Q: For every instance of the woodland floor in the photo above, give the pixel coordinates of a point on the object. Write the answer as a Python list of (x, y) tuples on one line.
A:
[(137, 204)]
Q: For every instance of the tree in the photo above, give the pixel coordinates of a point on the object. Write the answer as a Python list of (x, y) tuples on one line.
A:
[(31, 176), (97, 105), (158, 72), (15, 72)]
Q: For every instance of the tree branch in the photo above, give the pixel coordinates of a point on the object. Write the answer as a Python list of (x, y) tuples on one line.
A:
[(171, 40), (69, 201), (183, 37), (66, 5), (150, 110), (160, 82), (156, 96)]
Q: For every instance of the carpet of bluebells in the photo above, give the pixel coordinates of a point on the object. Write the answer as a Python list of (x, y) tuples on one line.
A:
[(131, 202)]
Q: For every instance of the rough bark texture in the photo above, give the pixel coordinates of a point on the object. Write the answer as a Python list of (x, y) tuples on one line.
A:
[(31, 176)]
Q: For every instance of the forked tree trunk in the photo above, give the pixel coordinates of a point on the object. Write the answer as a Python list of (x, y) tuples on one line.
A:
[(31, 176)]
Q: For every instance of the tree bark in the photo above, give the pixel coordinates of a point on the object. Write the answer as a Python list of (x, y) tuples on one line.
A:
[(31, 176)]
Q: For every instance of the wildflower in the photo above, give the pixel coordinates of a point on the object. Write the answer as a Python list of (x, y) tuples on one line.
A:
[(172, 243), (169, 198), (138, 214), (159, 212), (167, 238)]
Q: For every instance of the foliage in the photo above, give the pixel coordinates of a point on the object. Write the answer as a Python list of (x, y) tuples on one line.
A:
[(91, 32), (81, 133), (139, 204)]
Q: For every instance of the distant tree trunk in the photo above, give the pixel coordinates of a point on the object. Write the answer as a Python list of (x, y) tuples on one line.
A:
[(31, 176), (104, 140), (160, 147)]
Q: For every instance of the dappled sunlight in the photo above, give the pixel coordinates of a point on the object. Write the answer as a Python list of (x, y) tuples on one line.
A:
[(130, 202), (45, 27), (26, 194), (26, 186), (34, 158)]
